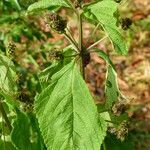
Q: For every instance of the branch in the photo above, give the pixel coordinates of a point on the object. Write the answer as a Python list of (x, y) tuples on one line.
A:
[(80, 32), (80, 45)]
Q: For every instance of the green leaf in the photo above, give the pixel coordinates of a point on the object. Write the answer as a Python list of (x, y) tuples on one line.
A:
[(6, 145), (46, 74), (20, 134), (15, 4), (106, 58), (26, 3), (8, 18), (67, 115), (118, 119), (105, 12), (111, 87), (67, 53), (36, 134), (7, 75), (48, 4), (26, 134)]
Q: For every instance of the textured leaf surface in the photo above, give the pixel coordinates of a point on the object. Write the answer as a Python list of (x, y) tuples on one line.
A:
[(51, 4), (7, 75), (46, 74), (67, 114), (105, 11)]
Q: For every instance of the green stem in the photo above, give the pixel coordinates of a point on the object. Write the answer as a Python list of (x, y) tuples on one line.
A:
[(3, 132), (81, 46), (71, 36), (80, 32), (104, 146), (96, 43), (4, 115), (72, 55), (72, 42)]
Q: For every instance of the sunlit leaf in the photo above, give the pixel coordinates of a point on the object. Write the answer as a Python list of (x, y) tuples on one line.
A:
[(7, 75), (105, 12), (46, 74), (50, 4), (67, 114)]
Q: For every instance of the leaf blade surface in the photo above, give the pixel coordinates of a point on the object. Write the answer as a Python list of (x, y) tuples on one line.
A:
[(67, 114)]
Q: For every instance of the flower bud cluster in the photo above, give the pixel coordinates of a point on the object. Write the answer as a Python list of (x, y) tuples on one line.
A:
[(58, 55), (120, 131), (77, 3), (57, 23), (11, 49), (126, 23)]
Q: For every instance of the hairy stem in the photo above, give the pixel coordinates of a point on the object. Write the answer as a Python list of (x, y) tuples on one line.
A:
[(96, 43), (4, 115)]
